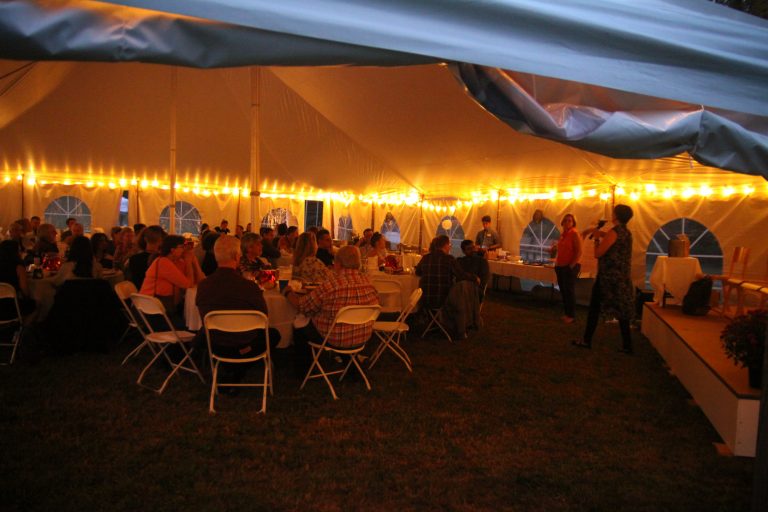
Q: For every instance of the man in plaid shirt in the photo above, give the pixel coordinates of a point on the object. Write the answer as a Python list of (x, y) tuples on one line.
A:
[(346, 287), (438, 271)]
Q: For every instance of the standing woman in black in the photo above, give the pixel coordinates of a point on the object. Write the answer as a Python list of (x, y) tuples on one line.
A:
[(612, 294)]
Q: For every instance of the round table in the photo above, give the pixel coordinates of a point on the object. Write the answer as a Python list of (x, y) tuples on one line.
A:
[(44, 291), (279, 311)]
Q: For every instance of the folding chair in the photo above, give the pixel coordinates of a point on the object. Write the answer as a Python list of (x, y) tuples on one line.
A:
[(147, 305), (238, 321), (124, 290), (349, 315), (731, 281), (390, 295), (390, 333), (7, 291), (434, 323)]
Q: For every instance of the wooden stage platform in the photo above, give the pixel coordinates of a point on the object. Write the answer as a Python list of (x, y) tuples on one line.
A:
[(691, 347)]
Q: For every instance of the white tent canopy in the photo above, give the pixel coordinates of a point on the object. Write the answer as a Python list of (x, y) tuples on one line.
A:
[(405, 131)]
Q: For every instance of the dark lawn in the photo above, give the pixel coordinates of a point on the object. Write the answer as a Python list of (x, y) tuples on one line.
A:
[(514, 418)]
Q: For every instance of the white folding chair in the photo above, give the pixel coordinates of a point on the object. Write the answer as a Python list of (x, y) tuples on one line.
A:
[(147, 305), (349, 315), (238, 321), (124, 290), (435, 324), (7, 291), (390, 295), (390, 333)]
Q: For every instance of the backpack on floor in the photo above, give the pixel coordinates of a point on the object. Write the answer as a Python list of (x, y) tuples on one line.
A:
[(696, 301)]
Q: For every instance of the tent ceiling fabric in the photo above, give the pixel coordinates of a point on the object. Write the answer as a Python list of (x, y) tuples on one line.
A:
[(364, 129), (687, 50)]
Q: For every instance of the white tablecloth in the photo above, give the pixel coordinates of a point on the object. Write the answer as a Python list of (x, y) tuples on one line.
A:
[(44, 292), (674, 275), (533, 272), (280, 312), (408, 283)]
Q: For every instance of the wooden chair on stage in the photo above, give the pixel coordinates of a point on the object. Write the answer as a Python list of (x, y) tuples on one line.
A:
[(732, 293)]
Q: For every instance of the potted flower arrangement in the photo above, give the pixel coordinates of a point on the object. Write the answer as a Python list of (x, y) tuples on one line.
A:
[(744, 341)]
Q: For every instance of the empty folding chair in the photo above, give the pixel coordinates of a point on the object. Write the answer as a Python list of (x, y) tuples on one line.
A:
[(349, 315), (7, 291), (238, 321), (124, 290), (731, 282), (147, 305), (390, 333)]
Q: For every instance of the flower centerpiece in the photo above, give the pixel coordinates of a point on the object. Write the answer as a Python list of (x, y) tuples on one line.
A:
[(744, 341)]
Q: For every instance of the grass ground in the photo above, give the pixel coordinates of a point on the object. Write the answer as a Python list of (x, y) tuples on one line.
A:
[(512, 419)]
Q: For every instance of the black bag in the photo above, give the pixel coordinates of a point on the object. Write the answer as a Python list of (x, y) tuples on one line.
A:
[(696, 301)]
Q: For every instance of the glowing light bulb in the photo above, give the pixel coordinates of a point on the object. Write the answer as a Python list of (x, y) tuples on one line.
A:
[(728, 191)]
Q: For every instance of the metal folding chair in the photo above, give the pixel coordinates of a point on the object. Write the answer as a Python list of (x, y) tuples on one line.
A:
[(7, 291), (390, 333), (238, 321), (349, 315), (147, 305), (435, 324), (124, 290)]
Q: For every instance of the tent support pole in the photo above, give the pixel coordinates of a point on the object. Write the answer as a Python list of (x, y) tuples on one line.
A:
[(333, 222), (373, 215), (172, 209), (421, 221), (138, 208), (23, 176), (255, 174), (498, 213), (237, 213)]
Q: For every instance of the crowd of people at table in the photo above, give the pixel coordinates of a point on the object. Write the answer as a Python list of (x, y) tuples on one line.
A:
[(227, 268)]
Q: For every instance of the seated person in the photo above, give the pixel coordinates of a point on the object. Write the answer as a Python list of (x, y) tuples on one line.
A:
[(365, 242), (324, 247), (306, 267), (251, 261), (125, 249), (474, 263), (174, 269), (346, 286), (76, 229), (12, 271), (148, 243), (209, 260), (288, 242), (438, 271), (270, 252), (46, 241), (378, 249), (101, 246), (80, 263), (226, 289)]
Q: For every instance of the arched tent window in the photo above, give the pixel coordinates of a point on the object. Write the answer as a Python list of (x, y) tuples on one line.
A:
[(277, 216), (187, 218), (704, 245), (451, 227), (538, 237), (64, 207), (391, 230), (344, 231)]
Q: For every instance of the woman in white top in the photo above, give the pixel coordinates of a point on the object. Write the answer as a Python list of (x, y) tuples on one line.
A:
[(378, 248)]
